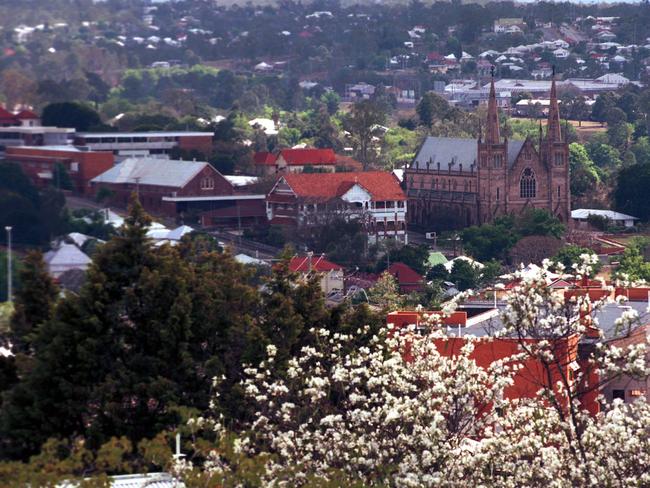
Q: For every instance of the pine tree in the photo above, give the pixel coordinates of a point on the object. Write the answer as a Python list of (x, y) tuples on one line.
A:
[(34, 301)]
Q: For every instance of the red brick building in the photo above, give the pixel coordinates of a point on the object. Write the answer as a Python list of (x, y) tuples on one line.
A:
[(189, 190), (39, 164), (375, 198)]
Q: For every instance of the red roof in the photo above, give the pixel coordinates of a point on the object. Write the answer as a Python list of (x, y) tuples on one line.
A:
[(26, 115), (404, 274), (435, 56), (301, 157), (318, 263), (264, 157), (326, 186), (5, 115)]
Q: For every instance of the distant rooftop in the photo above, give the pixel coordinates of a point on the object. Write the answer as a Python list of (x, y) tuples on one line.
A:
[(152, 171), (145, 134)]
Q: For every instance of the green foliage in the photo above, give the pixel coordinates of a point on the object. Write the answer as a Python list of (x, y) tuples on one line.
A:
[(361, 123), (413, 256), (584, 174), (464, 275), (70, 114), (633, 266), (493, 241), (34, 217), (385, 293), (570, 254), (432, 107), (631, 191), (33, 301)]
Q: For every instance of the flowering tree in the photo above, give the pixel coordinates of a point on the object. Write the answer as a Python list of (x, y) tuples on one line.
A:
[(377, 416)]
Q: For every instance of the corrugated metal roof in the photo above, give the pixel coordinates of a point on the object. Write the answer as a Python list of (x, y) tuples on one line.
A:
[(583, 213), (148, 480), (152, 171)]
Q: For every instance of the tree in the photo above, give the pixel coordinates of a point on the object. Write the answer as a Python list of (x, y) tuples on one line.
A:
[(538, 222), (385, 293), (465, 275), (432, 107), (584, 175), (33, 302), (70, 114), (631, 191), (361, 123), (398, 411), (488, 241), (571, 256), (331, 99)]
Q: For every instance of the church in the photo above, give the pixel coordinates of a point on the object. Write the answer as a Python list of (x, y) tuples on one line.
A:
[(455, 182)]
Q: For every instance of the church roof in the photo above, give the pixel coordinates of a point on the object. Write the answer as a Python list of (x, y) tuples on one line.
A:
[(456, 150), (445, 150)]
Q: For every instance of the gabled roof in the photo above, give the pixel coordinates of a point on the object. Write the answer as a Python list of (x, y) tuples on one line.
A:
[(26, 115), (308, 156), (6, 115), (264, 157), (456, 150), (404, 274), (318, 263), (326, 186), (583, 213), (152, 171)]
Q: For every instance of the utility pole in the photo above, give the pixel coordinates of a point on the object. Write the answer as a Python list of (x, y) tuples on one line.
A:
[(9, 270)]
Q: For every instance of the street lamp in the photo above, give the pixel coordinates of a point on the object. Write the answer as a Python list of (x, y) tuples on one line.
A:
[(9, 277)]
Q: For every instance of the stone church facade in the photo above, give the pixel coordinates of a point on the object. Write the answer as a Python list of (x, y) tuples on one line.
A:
[(453, 182)]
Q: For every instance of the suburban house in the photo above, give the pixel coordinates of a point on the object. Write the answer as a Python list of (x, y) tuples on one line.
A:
[(65, 258), (24, 118), (301, 160), (141, 144), (183, 189), (373, 197), (407, 278), (39, 164), (329, 273)]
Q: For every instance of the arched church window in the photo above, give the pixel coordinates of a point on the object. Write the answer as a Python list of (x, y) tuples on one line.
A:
[(498, 160), (559, 159), (528, 184)]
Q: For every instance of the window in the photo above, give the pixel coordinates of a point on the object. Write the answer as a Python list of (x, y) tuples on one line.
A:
[(527, 184), (207, 184), (484, 161), (559, 159), (498, 195), (618, 394), (559, 191), (498, 160)]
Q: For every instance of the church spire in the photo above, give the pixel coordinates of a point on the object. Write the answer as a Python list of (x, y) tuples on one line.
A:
[(553, 130), (492, 135)]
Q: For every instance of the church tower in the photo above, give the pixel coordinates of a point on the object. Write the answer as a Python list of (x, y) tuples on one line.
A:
[(492, 164), (554, 151)]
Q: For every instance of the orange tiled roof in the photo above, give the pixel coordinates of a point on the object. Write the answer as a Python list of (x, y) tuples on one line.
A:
[(326, 186), (318, 263)]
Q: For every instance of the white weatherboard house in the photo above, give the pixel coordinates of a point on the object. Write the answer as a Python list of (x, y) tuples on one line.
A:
[(580, 216)]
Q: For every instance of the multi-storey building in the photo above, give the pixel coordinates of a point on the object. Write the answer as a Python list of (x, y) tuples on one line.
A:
[(456, 182), (142, 144), (373, 197)]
